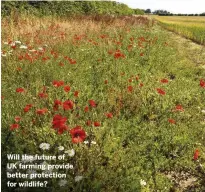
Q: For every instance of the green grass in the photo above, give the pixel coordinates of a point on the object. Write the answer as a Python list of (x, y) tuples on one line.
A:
[(139, 142)]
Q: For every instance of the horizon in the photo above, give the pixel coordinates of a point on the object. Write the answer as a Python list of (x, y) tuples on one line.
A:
[(173, 6)]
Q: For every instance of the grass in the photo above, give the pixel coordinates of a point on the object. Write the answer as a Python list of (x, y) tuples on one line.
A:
[(190, 27), (138, 100)]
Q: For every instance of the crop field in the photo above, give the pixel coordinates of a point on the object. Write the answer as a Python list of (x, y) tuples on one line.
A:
[(188, 26), (113, 94)]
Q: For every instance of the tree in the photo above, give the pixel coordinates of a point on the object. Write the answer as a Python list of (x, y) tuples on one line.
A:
[(148, 11)]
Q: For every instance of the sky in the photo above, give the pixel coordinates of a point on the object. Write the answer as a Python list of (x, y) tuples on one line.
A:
[(173, 6)]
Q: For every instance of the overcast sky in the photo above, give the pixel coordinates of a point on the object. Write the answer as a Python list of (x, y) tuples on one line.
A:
[(174, 6)]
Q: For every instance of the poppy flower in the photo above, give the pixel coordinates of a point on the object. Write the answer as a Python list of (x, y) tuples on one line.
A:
[(14, 126), (76, 93), (56, 104), (97, 124), (141, 84), (109, 115), (178, 108), (202, 83), (20, 90), (141, 54), (106, 81), (43, 95), (41, 111), (130, 88), (57, 83), (78, 134), (66, 88), (27, 107), (196, 154), (118, 55), (86, 109), (88, 123), (68, 105), (164, 80), (17, 119), (92, 103), (59, 123), (161, 91), (172, 121)]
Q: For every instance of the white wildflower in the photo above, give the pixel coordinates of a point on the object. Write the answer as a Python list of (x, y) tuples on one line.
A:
[(6, 43), (203, 111), (86, 142), (78, 178), (93, 142), (62, 182), (40, 49), (17, 42), (60, 148), (23, 47), (32, 50), (71, 152), (44, 146), (142, 182)]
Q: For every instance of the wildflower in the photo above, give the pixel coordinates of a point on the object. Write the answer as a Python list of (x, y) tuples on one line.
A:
[(60, 148), (70, 153), (178, 108), (88, 123), (27, 107), (86, 142), (76, 93), (109, 115), (202, 83), (17, 119), (62, 182), (93, 142), (56, 104), (78, 178), (59, 123), (141, 54), (130, 88), (23, 47), (43, 95), (118, 55), (68, 105), (161, 91), (142, 182), (17, 42), (41, 111), (92, 103), (20, 90), (172, 121), (106, 81), (97, 124), (86, 109), (44, 146), (14, 126), (141, 84), (164, 80), (57, 83), (196, 154), (66, 88), (78, 134)]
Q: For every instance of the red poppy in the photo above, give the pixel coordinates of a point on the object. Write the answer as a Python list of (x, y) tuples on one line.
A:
[(88, 123), (41, 111), (76, 93), (43, 95), (130, 88), (14, 126), (59, 123), (17, 119), (72, 61), (137, 78), (106, 81), (164, 80), (57, 83), (68, 105), (118, 55), (196, 154), (161, 91), (78, 134), (97, 124), (66, 88), (141, 84), (27, 107), (109, 115), (92, 103), (141, 54), (172, 121), (20, 90), (178, 108), (202, 83), (56, 104), (86, 109), (130, 80)]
